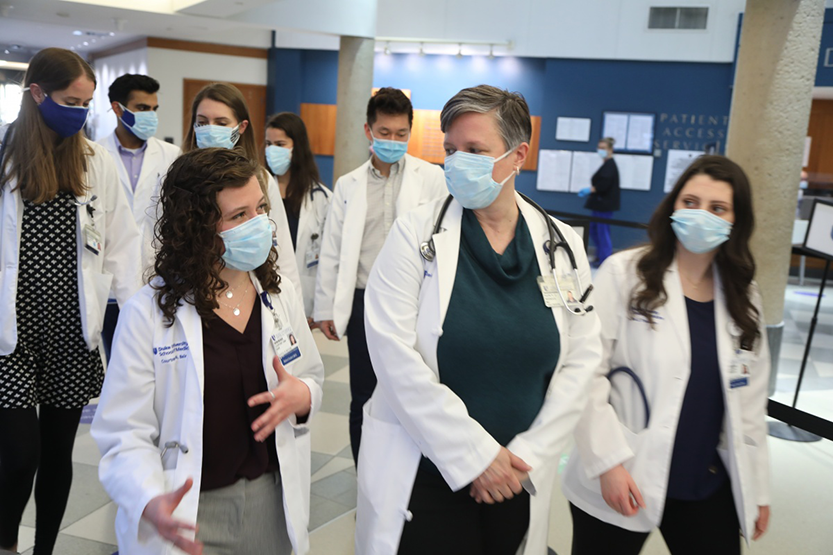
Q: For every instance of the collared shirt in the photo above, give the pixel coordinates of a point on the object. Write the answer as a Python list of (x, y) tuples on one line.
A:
[(382, 193), (132, 158)]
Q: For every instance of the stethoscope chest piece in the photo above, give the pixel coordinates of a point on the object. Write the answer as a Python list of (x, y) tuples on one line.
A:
[(426, 249)]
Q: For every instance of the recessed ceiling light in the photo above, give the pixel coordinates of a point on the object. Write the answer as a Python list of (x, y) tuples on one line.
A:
[(77, 33), (112, 34)]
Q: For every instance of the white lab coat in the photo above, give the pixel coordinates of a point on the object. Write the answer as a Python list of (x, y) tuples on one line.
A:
[(613, 433), (337, 270), (116, 266), (411, 413), (308, 243), (159, 156), (153, 395)]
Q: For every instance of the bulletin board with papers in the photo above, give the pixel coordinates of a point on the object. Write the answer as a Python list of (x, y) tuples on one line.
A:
[(632, 132), (568, 171)]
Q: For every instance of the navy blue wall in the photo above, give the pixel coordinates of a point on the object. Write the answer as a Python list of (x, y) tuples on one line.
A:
[(691, 102), (824, 75)]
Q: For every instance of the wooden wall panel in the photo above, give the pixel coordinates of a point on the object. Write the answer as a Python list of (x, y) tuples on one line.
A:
[(426, 138), (532, 158), (820, 129), (320, 120)]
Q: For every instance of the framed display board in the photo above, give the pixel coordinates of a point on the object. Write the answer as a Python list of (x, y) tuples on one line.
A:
[(631, 131), (819, 239)]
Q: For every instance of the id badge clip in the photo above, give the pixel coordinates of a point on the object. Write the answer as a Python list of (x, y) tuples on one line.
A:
[(286, 345), (739, 371), (92, 240)]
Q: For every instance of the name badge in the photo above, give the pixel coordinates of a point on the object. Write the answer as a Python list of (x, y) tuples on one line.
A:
[(739, 370), (569, 288), (549, 291), (311, 258), (734, 383), (92, 240), (286, 345)]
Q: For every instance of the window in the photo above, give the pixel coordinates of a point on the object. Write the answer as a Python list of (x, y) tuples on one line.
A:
[(678, 18), (10, 97)]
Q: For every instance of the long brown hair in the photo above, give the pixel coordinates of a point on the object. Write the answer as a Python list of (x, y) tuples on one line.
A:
[(189, 259), (733, 258), (39, 160), (303, 170), (228, 94), (231, 96)]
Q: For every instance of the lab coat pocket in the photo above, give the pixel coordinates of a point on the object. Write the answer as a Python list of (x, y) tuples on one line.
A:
[(634, 441)]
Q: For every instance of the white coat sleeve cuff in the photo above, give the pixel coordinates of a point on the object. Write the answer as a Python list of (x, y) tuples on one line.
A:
[(458, 478), (145, 531), (315, 404), (319, 315), (612, 460)]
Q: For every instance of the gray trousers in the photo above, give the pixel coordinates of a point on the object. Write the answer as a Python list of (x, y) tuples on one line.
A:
[(244, 518)]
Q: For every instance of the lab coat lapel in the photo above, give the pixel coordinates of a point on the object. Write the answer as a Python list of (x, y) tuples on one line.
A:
[(540, 234), (675, 309), (355, 217), (191, 324), (152, 154), (409, 192), (271, 305), (113, 147), (447, 248), (725, 329)]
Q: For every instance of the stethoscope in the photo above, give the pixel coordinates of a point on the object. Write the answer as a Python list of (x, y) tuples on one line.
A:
[(428, 252), (639, 386)]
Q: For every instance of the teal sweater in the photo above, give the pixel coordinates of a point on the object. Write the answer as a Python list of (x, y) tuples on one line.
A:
[(500, 343)]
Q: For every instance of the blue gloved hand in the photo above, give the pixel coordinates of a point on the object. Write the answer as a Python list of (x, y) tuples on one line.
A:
[(584, 192)]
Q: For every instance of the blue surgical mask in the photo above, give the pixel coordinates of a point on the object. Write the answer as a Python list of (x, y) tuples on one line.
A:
[(389, 152), (602, 152), (278, 159), (216, 136), (64, 120), (248, 245), (141, 124), (469, 178), (700, 231)]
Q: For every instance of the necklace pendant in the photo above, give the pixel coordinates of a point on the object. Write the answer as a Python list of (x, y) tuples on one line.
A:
[(229, 294), (236, 312)]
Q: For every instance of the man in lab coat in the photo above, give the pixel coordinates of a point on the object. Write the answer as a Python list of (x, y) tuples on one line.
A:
[(365, 203), (142, 160)]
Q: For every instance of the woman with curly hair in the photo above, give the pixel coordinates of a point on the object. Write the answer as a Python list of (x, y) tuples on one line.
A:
[(203, 421)]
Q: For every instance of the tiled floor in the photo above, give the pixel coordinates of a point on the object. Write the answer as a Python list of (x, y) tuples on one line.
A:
[(802, 485)]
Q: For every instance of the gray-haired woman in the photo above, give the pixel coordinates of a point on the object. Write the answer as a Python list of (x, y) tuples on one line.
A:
[(481, 377)]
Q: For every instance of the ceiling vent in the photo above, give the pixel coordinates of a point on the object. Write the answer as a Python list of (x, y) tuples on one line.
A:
[(678, 18)]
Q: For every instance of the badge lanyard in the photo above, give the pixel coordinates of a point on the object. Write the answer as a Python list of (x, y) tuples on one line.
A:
[(739, 368), (283, 339)]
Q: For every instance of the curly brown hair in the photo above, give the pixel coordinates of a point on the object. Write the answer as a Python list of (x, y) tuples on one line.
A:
[(734, 260), (189, 259)]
